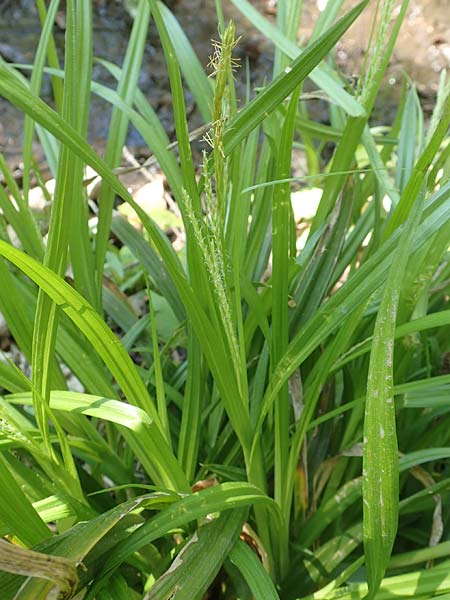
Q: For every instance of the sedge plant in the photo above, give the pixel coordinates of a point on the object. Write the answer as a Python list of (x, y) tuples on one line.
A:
[(276, 426)]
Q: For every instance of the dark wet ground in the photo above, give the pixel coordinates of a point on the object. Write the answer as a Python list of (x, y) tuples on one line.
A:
[(423, 50)]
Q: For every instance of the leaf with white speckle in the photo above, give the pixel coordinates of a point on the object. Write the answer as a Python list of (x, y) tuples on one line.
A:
[(196, 565), (380, 454)]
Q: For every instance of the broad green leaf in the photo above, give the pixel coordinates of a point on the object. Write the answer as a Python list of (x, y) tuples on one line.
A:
[(159, 378), (379, 169), (118, 590), (281, 244), (421, 585), (380, 456), (110, 350), (57, 507), (74, 350), (190, 437), (257, 578), (19, 429), (44, 48), (422, 456), (408, 144), (198, 562), (313, 284), (13, 309), (148, 125), (11, 380), (81, 248), (421, 555)]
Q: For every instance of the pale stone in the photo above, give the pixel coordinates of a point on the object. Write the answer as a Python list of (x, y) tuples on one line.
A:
[(93, 182), (36, 198), (150, 197), (305, 203), (3, 326)]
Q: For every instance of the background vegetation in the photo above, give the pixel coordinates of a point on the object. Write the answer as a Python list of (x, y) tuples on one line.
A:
[(277, 425)]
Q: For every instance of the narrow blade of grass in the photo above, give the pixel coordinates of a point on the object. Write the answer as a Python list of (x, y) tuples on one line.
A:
[(380, 458), (17, 512), (418, 175), (199, 84), (126, 90), (250, 566)]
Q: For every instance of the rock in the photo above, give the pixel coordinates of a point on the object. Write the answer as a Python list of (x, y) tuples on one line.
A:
[(93, 182), (305, 203), (4, 331), (36, 198), (150, 197)]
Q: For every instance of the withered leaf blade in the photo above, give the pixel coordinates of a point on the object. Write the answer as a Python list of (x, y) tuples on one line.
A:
[(60, 571)]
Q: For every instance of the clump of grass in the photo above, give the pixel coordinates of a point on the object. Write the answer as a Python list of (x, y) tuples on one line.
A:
[(287, 435)]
